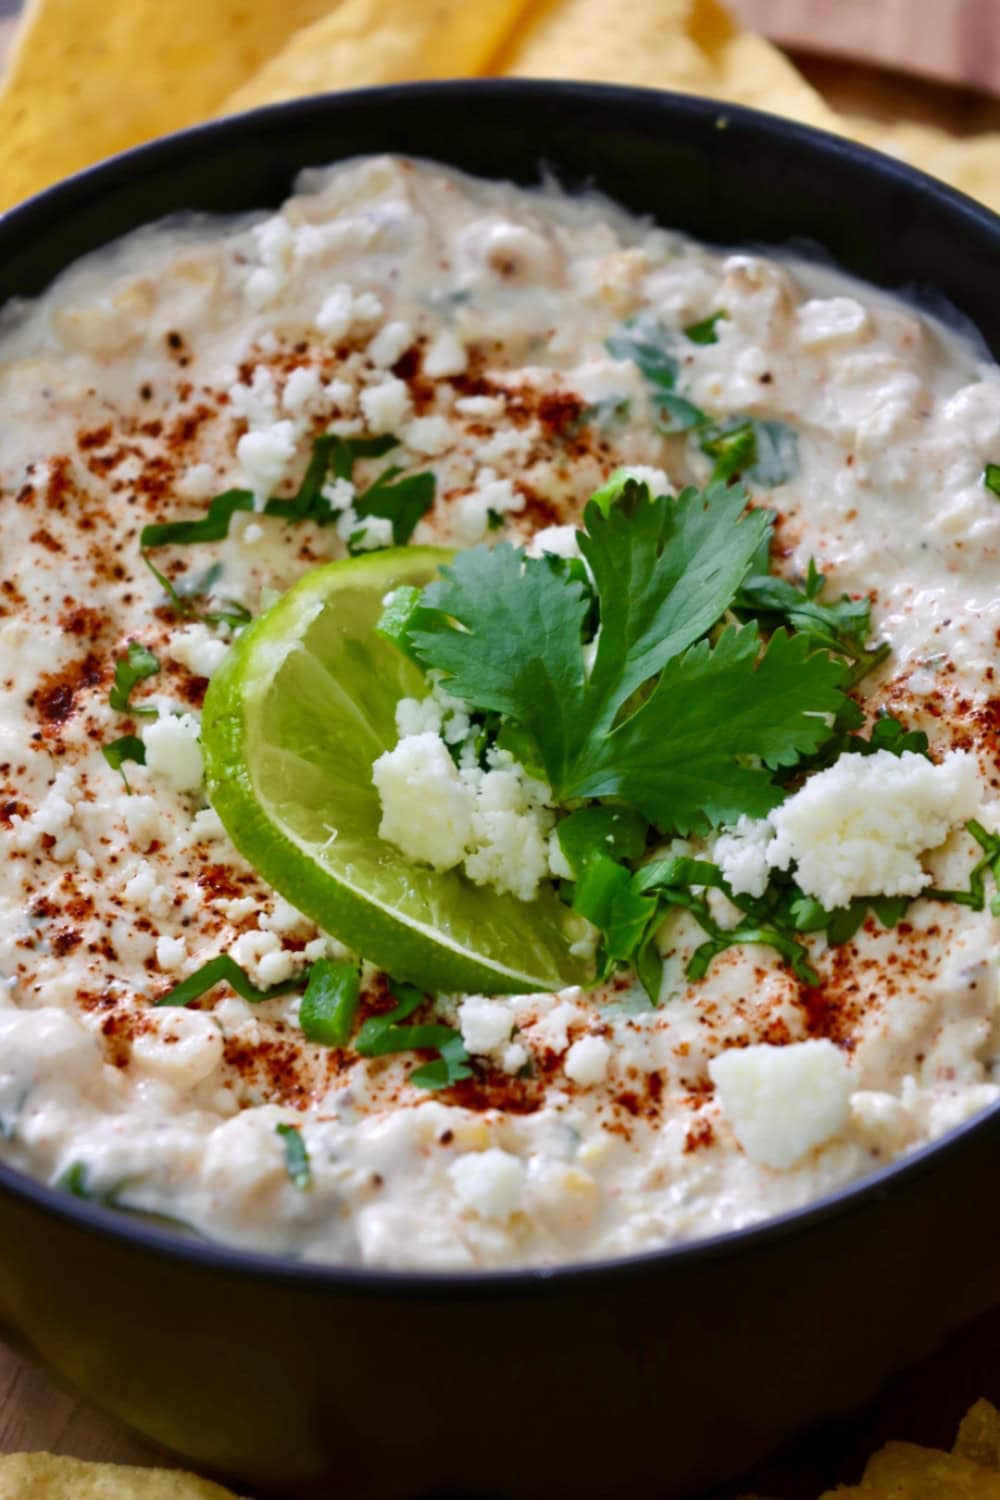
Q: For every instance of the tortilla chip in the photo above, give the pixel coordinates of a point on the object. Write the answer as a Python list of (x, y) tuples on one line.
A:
[(909, 1472), (969, 163), (87, 77), (44, 1476), (688, 45), (979, 1435), (381, 41)]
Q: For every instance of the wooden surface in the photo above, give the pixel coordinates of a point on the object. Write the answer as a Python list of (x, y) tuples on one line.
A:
[(957, 41)]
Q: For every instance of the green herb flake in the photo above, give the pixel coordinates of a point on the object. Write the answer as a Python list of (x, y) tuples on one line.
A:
[(297, 1163), (382, 1036), (224, 970), (704, 332), (230, 612), (330, 1003), (991, 479), (135, 666), (213, 527), (646, 343), (128, 748)]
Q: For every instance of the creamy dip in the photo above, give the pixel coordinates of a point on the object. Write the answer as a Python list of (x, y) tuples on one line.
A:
[(470, 320)]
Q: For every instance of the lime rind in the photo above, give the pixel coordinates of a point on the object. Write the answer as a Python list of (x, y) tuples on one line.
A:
[(293, 720)]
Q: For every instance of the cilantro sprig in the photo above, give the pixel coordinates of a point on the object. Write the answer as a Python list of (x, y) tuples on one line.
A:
[(128, 747), (687, 730), (134, 667)]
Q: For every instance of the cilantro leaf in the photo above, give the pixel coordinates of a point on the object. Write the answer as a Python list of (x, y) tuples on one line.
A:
[(334, 455), (508, 631), (842, 626), (991, 479), (381, 1036), (766, 453), (704, 332), (681, 414), (451, 1067), (646, 342), (135, 666), (129, 747), (330, 1002), (297, 1163), (686, 758), (670, 568), (401, 501), (223, 970), (212, 527)]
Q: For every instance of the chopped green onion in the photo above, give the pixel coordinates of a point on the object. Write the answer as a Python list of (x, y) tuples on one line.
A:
[(224, 970), (330, 1003), (991, 479), (296, 1156), (705, 331), (213, 527)]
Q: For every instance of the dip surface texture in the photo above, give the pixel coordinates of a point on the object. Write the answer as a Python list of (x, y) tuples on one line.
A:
[(471, 321)]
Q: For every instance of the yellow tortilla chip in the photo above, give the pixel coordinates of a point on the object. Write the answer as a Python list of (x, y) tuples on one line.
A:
[(688, 45), (970, 163), (44, 1476), (89, 77), (382, 41), (979, 1435), (905, 1471)]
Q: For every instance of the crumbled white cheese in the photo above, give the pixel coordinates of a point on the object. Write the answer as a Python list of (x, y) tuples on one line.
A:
[(657, 479), (830, 320), (198, 482), (510, 828), (389, 343), (386, 406), (472, 511), (170, 952), (426, 809), (485, 1024), (340, 493), (341, 312), (304, 394), (261, 956), (430, 435), (444, 356), (173, 751), (487, 408), (741, 854), (256, 402), (558, 541), (859, 828), (207, 824), (782, 1102), (265, 455), (52, 819), (198, 649), (367, 533), (490, 1183), (587, 1061)]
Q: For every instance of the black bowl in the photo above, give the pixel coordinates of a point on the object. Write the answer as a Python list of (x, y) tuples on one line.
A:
[(652, 1376)]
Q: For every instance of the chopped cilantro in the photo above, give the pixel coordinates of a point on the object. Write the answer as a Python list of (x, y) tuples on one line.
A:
[(645, 342), (296, 1156), (989, 863), (223, 970), (494, 521), (135, 666), (678, 413), (383, 1035), (128, 747), (330, 1002), (212, 527), (766, 453), (705, 331), (991, 479), (230, 611), (401, 501), (842, 626)]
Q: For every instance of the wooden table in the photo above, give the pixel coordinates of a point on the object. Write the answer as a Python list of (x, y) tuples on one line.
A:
[(955, 46)]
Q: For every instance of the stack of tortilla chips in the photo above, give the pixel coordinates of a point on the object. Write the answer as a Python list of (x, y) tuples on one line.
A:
[(87, 79)]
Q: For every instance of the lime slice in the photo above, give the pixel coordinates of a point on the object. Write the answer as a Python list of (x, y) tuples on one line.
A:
[(300, 709)]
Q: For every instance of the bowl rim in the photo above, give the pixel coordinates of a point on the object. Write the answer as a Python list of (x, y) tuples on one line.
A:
[(110, 1224)]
